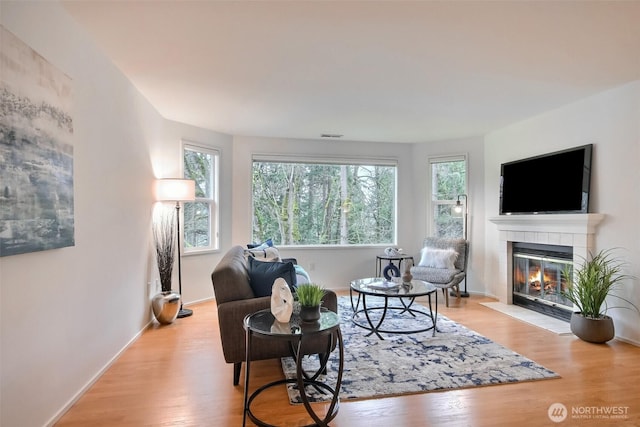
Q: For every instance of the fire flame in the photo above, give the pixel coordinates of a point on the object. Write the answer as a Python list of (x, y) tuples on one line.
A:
[(535, 277)]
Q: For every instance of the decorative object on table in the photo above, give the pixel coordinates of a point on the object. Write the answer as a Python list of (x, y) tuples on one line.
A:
[(36, 142), (392, 251), (177, 190), (588, 288), (460, 209), (280, 328), (281, 300), (310, 295), (166, 304), (392, 264), (390, 271), (457, 357), (407, 276)]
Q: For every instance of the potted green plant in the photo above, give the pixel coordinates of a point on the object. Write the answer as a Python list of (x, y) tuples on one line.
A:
[(588, 288), (309, 296)]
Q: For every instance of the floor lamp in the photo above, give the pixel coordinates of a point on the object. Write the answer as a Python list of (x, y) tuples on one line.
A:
[(459, 209), (177, 190)]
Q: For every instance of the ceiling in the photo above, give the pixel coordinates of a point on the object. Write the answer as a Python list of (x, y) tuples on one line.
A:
[(390, 71)]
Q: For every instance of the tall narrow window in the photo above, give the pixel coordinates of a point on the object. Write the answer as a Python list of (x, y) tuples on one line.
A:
[(201, 215), (324, 203), (448, 181)]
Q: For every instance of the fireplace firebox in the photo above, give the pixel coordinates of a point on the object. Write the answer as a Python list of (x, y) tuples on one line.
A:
[(538, 278)]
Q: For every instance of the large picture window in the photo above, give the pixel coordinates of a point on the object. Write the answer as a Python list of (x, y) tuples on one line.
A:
[(201, 215), (448, 181), (324, 203)]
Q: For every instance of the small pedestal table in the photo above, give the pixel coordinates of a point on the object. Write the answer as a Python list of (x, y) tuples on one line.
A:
[(298, 333)]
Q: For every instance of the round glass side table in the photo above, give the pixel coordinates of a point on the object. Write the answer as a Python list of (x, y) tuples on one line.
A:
[(264, 325)]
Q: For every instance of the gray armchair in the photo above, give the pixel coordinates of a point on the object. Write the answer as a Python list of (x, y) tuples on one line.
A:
[(443, 276), (235, 299)]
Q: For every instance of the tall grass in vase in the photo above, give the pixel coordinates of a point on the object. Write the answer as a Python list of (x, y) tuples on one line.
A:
[(166, 304), (588, 288), (164, 239), (309, 296)]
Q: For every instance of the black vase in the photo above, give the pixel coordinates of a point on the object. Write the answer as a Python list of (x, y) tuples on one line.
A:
[(310, 314)]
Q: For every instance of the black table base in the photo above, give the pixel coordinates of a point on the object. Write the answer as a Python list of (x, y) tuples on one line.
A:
[(375, 326), (303, 379)]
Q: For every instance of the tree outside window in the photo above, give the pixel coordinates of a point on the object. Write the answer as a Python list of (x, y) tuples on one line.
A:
[(323, 204), (448, 181), (200, 216)]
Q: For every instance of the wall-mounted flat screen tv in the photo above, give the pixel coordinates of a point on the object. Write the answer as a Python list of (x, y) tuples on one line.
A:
[(553, 183)]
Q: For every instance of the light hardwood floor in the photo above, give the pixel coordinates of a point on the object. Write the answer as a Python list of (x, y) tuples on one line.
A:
[(175, 375)]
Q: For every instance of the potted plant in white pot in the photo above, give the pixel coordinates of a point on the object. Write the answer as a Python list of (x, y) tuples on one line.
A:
[(166, 304), (309, 296), (588, 288)]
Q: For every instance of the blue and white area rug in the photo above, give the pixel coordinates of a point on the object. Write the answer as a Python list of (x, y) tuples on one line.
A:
[(456, 357)]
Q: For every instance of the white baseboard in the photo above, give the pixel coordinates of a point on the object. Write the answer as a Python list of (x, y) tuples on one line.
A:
[(628, 341), (95, 378), (186, 304)]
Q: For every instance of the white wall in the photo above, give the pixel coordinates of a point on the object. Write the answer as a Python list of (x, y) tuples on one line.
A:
[(474, 150), (611, 121), (66, 313)]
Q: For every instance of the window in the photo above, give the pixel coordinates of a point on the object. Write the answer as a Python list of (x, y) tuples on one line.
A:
[(324, 203), (201, 215), (448, 181)]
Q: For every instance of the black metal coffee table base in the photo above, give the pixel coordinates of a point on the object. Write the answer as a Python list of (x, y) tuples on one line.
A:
[(375, 328), (405, 293)]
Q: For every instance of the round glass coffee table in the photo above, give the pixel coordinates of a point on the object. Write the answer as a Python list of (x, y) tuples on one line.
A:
[(405, 293), (264, 325)]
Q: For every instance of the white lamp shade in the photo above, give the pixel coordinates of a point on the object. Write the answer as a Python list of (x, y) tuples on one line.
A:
[(175, 190)]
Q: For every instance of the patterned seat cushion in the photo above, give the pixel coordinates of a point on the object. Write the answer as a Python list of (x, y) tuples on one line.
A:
[(434, 275)]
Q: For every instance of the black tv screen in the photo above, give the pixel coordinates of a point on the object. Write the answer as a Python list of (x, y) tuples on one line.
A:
[(551, 183)]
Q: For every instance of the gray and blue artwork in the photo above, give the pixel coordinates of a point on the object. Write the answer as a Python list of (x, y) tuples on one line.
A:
[(36, 152)]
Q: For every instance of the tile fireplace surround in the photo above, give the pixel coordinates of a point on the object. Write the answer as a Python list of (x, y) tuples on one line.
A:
[(575, 230)]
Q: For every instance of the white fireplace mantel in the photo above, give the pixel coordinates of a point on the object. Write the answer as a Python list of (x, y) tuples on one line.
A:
[(560, 223), (574, 230)]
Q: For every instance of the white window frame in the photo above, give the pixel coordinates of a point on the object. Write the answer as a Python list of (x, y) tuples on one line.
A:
[(213, 201), (285, 158), (431, 203)]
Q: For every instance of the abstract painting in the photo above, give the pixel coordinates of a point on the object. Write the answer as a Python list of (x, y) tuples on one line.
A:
[(36, 151)]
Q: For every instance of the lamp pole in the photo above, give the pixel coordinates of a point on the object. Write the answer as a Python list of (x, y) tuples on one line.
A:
[(184, 312), (177, 190), (465, 214)]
